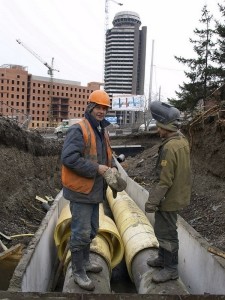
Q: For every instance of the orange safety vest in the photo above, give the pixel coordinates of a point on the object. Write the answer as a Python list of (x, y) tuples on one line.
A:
[(72, 180)]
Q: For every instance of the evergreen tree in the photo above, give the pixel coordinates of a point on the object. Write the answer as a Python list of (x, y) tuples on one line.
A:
[(219, 53), (201, 71)]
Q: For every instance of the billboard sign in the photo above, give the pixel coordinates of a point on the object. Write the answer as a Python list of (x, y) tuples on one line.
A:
[(128, 102), (112, 120)]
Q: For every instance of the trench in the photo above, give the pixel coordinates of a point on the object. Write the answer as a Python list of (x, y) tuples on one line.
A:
[(193, 255)]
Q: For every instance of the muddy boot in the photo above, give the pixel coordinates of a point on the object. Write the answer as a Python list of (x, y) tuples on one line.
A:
[(79, 272), (158, 261), (90, 266), (170, 271)]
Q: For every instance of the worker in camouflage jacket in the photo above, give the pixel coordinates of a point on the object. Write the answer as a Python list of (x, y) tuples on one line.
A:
[(172, 191)]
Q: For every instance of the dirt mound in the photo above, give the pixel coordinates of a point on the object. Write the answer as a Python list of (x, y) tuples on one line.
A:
[(29, 166)]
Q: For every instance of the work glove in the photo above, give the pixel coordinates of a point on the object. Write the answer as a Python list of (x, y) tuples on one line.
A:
[(154, 199), (114, 180)]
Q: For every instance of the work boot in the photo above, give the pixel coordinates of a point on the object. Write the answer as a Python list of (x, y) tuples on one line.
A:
[(158, 261), (170, 271), (79, 272), (90, 266), (165, 275)]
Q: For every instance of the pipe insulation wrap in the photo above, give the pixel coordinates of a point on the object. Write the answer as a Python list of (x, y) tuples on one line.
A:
[(107, 243), (134, 227)]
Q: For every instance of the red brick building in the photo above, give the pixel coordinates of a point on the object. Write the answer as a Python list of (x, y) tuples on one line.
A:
[(46, 103)]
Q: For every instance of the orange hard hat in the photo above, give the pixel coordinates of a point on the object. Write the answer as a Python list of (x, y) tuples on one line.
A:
[(100, 97)]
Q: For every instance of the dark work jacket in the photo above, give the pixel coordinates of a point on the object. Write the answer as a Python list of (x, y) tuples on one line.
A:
[(72, 157)]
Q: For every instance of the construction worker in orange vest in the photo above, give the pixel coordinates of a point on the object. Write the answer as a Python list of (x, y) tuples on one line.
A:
[(86, 156)]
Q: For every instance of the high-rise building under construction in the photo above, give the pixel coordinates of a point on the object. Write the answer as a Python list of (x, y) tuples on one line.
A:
[(125, 53)]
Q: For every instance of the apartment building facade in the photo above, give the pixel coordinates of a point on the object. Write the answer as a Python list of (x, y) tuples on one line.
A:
[(45, 103)]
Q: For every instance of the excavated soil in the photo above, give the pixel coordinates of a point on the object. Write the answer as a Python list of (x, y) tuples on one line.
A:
[(30, 167)]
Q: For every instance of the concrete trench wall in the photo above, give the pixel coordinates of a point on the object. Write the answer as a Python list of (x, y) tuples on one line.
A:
[(200, 271), (35, 268)]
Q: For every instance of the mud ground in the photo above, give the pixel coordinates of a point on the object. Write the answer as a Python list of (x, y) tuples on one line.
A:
[(30, 167)]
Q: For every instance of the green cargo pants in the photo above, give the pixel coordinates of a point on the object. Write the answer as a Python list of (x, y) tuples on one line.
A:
[(165, 228)]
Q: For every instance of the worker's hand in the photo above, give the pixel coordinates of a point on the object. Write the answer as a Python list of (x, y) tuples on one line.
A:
[(150, 208), (102, 169), (154, 199)]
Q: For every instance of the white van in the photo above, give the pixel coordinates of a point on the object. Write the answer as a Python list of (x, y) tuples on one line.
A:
[(61, 130)]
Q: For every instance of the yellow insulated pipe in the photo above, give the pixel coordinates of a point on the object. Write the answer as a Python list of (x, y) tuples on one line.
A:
[(134, 227), (107, 243)]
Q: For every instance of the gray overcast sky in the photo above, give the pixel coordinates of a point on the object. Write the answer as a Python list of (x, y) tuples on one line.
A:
[(72, 31)]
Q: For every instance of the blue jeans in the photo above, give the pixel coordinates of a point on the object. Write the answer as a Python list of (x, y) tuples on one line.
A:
[(84, 224)]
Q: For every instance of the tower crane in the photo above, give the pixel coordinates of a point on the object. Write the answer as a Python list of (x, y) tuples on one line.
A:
[(106, 26), (50, 73), (107, 12)]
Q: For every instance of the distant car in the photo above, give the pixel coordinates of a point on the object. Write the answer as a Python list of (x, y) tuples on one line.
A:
[(151, 127)]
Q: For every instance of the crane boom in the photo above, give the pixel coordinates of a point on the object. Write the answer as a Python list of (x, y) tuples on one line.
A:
[(50, 68), (50, 72)]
